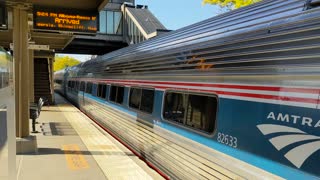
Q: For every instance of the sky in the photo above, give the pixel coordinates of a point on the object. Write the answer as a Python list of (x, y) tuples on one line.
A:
[(173, 14)]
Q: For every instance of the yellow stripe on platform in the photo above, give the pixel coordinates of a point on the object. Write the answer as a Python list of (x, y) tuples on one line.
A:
[(74, 157), (112, 160)]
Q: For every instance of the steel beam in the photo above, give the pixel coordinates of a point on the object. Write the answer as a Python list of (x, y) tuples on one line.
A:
[(31, 75)]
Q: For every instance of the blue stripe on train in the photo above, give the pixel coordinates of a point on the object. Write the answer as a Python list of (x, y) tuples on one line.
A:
[(268, 165)]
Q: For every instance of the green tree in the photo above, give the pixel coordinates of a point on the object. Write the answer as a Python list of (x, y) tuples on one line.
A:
[(3, 61), (230, 4), (62, 62)]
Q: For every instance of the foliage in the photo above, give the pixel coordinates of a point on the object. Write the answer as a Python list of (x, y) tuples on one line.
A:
[(2, 59), (230, 4), (61, 62)]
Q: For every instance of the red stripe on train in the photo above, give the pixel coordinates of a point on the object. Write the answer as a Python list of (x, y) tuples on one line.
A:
[(250, 95), (239, 94), (231, 86)]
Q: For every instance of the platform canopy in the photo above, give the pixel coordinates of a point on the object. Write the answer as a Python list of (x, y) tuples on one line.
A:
[(74, 4), (61, 40)]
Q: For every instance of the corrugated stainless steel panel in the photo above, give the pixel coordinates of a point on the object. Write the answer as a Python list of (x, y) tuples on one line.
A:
[(270, 34), (231, 21)]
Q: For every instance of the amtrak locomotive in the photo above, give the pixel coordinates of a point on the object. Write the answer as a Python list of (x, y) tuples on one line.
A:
[(232, 97)]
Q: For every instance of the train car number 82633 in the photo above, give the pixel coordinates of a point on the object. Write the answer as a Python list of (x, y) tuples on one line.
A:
[(227, 140)]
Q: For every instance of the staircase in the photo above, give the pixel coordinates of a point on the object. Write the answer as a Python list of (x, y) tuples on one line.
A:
[(42, 79)]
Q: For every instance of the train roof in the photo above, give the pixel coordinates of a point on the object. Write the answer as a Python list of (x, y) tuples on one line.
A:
[(261, 19)]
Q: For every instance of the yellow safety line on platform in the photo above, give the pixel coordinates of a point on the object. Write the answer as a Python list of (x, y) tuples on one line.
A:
[(74, 157), (112, 160)]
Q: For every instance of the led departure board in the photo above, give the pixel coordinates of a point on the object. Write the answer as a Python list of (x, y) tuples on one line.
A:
[(3, 17), (65, 20)]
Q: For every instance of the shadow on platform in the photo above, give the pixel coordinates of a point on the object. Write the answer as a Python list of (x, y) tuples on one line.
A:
[(51, 151)]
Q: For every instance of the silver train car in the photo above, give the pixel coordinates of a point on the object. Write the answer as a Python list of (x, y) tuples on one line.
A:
[(5, 75), (236, 96)]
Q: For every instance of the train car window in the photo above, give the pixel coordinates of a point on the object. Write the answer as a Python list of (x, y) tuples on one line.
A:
[(141, 99), (82, 86), (174, 108), (89, 88), (72, 85), (147, 100), (116, 94), (135, 98), (191, 110), (76, 88), (98, 90), (120, 94), (58, 81), (102, 91), (113, 93)]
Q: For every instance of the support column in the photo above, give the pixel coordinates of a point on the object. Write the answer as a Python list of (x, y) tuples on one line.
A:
[(20, 42), (31, 75), (51, 61)]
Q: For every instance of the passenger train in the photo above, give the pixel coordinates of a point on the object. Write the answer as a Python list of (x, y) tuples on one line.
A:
[(5, 72), (236, 96)]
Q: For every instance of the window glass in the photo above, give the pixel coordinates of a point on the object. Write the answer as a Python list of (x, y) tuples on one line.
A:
[(113, 93), (117, 23), (147, 100), (72, 84), (3, 18), (102, 90), (103, 93), (98, 90), (56, 81), (110, 22), (82, 86), (135, 98), (142, 99), (76, 85), (174, 108), (116, 94), (89, 88), (103, 21), (120, 94), (191, 110)]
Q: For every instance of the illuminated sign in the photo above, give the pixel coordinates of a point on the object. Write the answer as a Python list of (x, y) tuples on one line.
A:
[(65, 20)]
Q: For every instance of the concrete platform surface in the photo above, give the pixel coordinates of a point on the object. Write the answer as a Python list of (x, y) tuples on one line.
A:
[(72, 147)]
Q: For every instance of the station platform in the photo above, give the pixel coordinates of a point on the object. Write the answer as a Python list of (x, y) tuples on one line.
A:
[(72, 147)]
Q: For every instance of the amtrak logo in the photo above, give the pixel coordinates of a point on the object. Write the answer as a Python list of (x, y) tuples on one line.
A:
[(297, 155)]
